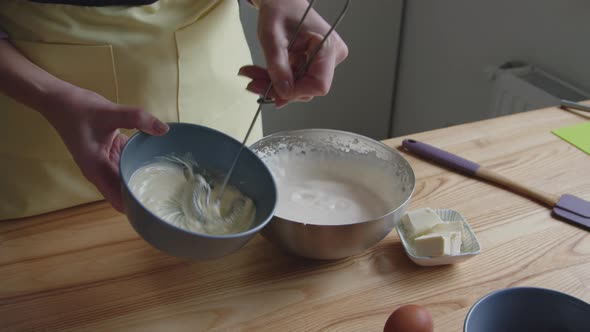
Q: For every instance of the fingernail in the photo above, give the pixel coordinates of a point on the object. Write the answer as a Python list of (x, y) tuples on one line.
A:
[(254, 89), (160, 127), (241, 72), (284, 88)]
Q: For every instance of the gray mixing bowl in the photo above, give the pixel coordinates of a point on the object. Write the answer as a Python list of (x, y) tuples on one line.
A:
[(523, 309), (338, 241), (215, 151)]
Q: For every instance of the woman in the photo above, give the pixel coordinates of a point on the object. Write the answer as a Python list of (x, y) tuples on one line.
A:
[(78, 76)]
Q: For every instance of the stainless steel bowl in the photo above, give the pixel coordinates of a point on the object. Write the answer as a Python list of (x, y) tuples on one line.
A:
[(338, 241)]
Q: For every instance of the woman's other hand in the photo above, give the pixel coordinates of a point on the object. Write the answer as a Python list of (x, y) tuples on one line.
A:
[(89, 126), (277, 22)]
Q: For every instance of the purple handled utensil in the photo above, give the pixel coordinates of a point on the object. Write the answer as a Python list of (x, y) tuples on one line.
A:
[(566, 206)]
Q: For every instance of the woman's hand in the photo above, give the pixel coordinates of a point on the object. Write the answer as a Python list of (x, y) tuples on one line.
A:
[(87, 122), (277, 22), (89, 126)]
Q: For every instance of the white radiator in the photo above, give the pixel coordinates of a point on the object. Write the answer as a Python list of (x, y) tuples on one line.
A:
[(519, 87)]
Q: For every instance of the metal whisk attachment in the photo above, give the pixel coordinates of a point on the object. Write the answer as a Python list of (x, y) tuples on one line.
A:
[(298, 74)]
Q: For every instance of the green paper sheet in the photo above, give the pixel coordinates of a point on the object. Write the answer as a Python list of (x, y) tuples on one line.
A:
[(577, 135)]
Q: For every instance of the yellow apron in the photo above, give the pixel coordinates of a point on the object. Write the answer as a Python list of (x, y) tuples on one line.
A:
[(178, 59)]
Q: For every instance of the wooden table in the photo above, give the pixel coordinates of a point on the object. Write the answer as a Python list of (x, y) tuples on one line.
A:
[(86, 269)]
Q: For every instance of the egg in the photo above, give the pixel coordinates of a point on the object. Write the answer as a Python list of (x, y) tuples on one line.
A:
[(409, 318)]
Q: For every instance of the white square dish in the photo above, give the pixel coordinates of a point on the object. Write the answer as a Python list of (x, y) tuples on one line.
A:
[(469, 246)]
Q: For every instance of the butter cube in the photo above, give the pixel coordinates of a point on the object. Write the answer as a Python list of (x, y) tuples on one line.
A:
[(447, 227), (420, 221), (456, 241), (432, 245), (438, 244), (455, 231)]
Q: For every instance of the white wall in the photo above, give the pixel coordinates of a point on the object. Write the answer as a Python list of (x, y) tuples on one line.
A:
[(361, 97), (448, 44)]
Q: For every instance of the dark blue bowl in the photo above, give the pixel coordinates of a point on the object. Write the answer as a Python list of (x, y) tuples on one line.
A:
[(215, 151), (523, 309)]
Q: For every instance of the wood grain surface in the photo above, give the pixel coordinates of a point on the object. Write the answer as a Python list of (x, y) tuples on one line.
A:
[(86, 269)]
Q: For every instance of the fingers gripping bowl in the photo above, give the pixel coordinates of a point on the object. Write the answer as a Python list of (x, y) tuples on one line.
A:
[(339, 193)]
